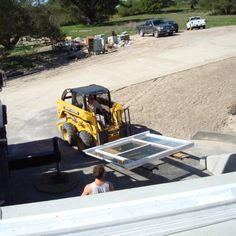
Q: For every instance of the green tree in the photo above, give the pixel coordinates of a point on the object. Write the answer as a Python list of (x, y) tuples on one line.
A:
[(219, 6), (132, 7), (14, 23), (91, 11), (63, 15), (155, 6), (24, 18), (129, 8), (43, 23), (193, 4)]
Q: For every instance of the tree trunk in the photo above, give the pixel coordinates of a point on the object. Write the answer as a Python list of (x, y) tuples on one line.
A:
[(10, 44), (6, 43), (91, 17), (14, 41), (228, 10)]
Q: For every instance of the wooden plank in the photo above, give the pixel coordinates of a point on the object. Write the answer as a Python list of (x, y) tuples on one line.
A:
[(180, 155)]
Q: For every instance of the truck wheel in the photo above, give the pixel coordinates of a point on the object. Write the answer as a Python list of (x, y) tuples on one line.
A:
[(141, 33), (204, 27), (68, 133), (156, 34), (86, 138)]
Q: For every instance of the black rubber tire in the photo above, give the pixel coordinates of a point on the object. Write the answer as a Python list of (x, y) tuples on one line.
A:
[(69, 133), (156, 34), (141, 33), (86, 138)]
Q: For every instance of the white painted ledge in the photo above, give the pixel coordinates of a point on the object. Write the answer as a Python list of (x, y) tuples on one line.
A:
[(160, 209)]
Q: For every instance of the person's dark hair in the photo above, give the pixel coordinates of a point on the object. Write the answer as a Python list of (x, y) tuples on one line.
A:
[(99, 171)]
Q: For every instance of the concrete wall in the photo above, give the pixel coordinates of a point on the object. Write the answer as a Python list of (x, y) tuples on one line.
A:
[(190, 207)]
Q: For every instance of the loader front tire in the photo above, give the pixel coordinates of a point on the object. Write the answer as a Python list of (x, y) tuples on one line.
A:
[(69, 134), (86, 138)]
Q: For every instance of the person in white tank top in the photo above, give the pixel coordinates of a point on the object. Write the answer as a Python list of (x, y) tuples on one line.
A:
[(99, 185)]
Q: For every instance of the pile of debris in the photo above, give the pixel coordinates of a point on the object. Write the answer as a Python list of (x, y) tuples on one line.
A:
[(101, 43), (98, 44), (74, 48), (65, 50)]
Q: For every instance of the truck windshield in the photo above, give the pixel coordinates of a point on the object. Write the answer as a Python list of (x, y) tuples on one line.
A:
[(196, 18)]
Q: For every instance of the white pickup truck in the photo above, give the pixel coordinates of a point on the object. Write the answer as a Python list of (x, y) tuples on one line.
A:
[(196, 22)]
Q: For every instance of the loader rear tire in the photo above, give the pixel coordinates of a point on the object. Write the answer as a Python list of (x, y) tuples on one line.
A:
[(86, 139), (69, 134)]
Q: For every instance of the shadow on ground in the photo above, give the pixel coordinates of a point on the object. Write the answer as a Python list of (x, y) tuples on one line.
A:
[(17, 66), (23, 182), (136, 128)]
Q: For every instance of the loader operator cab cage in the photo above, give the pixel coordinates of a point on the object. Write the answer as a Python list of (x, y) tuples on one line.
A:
[(77, 96)]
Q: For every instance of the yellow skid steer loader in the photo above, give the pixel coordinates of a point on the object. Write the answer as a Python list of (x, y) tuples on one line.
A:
[(85, 128)]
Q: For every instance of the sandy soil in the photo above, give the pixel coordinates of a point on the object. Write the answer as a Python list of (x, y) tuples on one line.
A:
[(182, 103), (176, 85)]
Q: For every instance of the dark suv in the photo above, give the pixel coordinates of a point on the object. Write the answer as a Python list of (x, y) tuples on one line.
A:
[(174, 24)]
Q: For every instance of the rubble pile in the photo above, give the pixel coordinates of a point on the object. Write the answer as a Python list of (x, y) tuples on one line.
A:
[(93, 45), (66, 50)]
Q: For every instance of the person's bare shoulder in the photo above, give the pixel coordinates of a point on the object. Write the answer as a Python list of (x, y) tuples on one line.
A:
[(87, 190)]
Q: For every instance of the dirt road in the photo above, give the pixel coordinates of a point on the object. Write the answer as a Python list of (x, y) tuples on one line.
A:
[(178, 104)]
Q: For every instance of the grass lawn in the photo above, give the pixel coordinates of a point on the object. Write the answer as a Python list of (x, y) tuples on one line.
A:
[(120, 24)]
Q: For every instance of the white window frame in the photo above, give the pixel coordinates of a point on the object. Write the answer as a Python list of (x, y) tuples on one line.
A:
[(131, 164)]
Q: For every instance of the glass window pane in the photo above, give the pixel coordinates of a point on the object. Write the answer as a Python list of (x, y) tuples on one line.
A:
[(142, 152), (123, 147), (157, 140)]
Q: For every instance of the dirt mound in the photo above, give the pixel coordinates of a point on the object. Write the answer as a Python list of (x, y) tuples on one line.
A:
[(182, 103)]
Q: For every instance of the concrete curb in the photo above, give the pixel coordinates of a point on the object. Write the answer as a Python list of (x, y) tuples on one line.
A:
[(220, 164), (214, 136)]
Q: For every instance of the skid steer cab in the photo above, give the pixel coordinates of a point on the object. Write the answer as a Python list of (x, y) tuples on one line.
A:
[(88, 117)]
